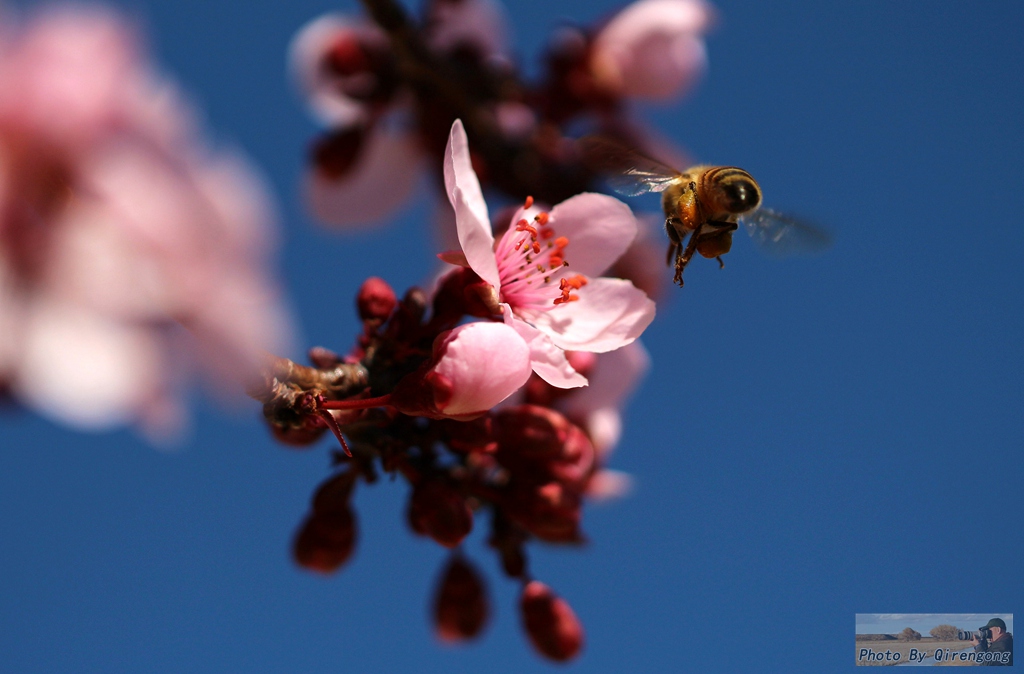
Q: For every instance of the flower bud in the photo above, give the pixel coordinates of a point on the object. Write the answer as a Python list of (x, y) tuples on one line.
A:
[(460, 605), (439, 511), (550, 623), (376, 300), (549, 511), (538, 443), (474, 367), (325, 542)]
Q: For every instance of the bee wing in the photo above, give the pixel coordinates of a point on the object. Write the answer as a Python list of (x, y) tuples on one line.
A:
[(779, 234), (628, 172)]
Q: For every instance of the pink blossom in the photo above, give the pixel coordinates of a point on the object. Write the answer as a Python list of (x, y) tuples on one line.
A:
[(543, 269), (117, 229), (652, 48)]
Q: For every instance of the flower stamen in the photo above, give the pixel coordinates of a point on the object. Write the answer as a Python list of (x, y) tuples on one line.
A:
[(567, 285)]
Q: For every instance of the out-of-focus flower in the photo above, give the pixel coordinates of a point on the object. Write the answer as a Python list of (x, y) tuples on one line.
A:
[(652, 49), (597, 408), (460, 606), (553, 628), (117, 227), (553, 305), (367, 166), (474, 367), (371, 161)]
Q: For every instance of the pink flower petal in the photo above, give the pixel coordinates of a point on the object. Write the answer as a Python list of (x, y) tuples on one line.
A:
[(466, 197), (613, 378), (381, 182), (600, 228), (653, 48), (609, 314), (548, 361), (609, 484), (84, 370), (484, 362)]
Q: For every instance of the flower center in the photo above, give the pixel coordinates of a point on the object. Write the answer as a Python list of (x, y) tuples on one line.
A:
[(531, 260)]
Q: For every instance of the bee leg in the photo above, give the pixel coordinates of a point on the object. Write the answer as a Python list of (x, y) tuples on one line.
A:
[(721, 264), (672, 247), (683, 258)]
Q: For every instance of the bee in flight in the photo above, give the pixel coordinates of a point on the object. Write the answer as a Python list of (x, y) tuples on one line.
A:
[(706, 203)]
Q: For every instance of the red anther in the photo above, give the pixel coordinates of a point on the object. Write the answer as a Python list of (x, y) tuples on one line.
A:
[(566, 285), (460, 605), (376, 300), (542, 218), (437, 510), (561, 242), (546, 233), (524, 226), (553, 628), (528, 203), (536, 247)]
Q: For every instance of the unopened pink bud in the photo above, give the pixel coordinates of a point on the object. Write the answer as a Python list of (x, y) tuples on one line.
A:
[(474, 367), (439, 511), (376, 300), (460, 605), (550, 623)]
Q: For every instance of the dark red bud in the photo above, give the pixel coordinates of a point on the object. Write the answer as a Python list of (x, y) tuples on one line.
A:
[(548, 511), (423, 393), (550, 623), (335, 494), (460, 605), (468, 437), (325, 542), (298, 438), (346, 56), (376, 300), (540, 444), (439, 511), (336, 153)]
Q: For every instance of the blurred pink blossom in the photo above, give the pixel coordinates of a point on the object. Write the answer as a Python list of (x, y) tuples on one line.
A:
[(372, 160), (553, 306), (653, 48), (117, 228)]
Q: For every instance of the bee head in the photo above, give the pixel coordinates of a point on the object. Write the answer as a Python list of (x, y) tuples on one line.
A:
[(738, 192)]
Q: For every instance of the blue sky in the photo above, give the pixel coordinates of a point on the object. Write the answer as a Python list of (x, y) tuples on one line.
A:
[(848, 440)]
